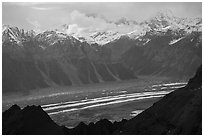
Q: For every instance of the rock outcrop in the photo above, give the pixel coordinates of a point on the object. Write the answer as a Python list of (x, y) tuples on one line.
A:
[(179, 112), (31, 120)]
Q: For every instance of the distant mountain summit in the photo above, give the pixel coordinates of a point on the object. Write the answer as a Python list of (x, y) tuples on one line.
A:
[(162, 22)]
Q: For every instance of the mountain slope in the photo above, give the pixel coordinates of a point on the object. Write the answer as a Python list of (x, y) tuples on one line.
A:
[(167, 54), (55, 59)]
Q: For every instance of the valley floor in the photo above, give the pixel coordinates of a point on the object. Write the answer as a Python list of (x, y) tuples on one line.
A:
[(89, 103)]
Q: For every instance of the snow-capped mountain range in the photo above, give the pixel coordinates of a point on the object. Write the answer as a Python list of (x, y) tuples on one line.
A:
[(163, 45), (161, 23)]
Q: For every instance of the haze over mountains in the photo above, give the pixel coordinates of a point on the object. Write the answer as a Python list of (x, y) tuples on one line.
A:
[(164, 45)]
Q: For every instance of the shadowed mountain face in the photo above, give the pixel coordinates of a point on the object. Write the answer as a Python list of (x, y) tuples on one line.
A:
[(42, 62), (168, 54), (179, 112)]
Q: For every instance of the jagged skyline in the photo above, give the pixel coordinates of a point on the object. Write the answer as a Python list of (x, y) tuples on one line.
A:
[(42, 16)]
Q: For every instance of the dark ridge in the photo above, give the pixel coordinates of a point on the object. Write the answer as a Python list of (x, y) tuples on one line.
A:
[(31, 120), (178, 113), (11, 111), (196, 81)]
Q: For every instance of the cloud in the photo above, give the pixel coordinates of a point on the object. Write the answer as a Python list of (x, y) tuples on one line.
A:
[(41, 8), (86, 21), (87, 24), (83, 24)]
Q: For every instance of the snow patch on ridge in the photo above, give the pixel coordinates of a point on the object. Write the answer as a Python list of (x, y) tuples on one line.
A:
[(175, 41)]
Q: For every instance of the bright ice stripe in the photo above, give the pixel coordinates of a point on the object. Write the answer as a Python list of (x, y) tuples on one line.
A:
[(170, 84), (177, 87), (175, 40), (103, 104), (69, 102), (106, 99), (164, 87), (124, 95), (62, 103)]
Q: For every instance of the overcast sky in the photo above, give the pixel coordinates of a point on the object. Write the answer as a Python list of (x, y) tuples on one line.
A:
[(49, 15)]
